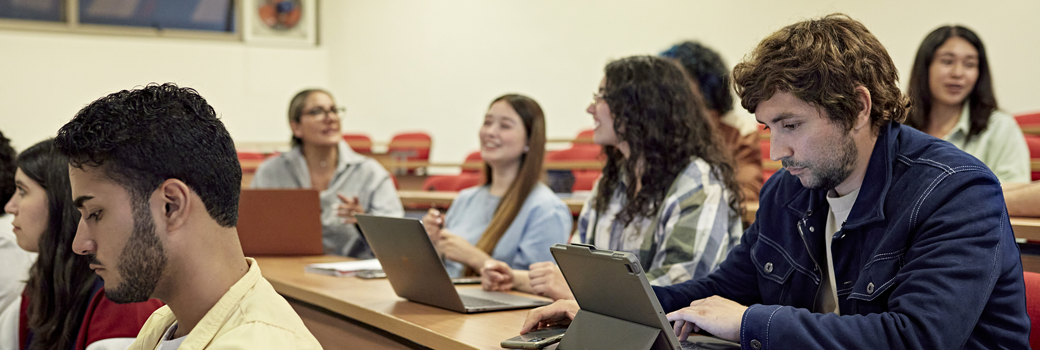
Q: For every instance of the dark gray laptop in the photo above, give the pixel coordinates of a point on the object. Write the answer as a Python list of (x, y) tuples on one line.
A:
[(417, 274), (618, 307)]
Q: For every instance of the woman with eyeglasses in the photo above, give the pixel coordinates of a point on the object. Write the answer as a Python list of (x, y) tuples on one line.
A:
[(349, 183), (668, 193), (63, 305), (952, 93), (512, 217)]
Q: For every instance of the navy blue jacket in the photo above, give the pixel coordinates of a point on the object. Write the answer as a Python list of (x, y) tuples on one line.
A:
[(925, 260)]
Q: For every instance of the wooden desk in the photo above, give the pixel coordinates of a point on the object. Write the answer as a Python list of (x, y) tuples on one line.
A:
[(1027, 228), (443, 199), (374, 303)]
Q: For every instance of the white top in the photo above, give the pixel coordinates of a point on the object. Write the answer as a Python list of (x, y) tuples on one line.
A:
[(840, 207), (168, 342), (15, 262)]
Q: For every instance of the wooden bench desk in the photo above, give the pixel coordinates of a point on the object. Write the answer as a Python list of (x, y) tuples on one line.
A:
[(354, 313)]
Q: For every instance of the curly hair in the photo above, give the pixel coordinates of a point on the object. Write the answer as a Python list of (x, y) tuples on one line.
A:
[(822, 62), (981, 101), (660, 114), (8, 168), (145, 136), (60, 281), (706, 68)]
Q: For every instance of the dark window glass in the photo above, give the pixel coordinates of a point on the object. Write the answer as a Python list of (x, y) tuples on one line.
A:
[(37, 10), (208, 15)]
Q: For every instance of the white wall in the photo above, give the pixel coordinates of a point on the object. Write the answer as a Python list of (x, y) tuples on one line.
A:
[(45, 78), (435, 65)]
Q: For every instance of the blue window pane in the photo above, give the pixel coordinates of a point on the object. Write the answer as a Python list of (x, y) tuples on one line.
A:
[(209, 15), (37, 10)]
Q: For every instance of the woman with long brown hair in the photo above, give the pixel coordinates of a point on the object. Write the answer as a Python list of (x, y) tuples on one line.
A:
[(64, 304), (512, 217), (668, 192)]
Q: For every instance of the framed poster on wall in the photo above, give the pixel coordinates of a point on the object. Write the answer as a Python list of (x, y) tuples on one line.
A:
[(280, 22)]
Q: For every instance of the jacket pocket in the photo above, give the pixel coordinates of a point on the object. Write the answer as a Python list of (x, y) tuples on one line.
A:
[(870, 293), (774, 269)]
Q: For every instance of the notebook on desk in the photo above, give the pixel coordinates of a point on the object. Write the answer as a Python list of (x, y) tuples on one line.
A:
[(417, 274), (279, 222)]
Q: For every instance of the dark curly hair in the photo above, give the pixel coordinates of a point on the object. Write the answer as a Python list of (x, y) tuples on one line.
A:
[(822, 62), (706, 68), (60, 281), (7, 169), (660, 114), (981, 101), (145, 136)]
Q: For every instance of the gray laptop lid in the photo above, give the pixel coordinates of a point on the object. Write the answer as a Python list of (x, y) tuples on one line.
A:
[(416, 272), (611, 283)]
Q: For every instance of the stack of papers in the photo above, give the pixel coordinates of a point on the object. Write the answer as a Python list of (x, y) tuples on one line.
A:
[(343, 269)]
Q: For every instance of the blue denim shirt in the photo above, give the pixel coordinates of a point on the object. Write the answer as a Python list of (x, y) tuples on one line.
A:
[(926, 259)]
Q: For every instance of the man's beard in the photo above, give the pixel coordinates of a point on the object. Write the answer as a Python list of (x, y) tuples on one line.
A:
[(141, 262), (828, 173)]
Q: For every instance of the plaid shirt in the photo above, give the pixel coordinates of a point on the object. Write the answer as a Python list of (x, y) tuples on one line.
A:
[(688, 237)]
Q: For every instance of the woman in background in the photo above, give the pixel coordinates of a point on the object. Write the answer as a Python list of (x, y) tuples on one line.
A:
[(349, 183), (952, 94), (512, 217), (64, 303), (668, 193)]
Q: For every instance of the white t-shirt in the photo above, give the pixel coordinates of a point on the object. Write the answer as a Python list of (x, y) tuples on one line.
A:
[(15, 262), (840, 207), (168, 342)]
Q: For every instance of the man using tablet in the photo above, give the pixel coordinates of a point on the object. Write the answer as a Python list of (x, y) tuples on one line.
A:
[(874, 234), (155, 174)]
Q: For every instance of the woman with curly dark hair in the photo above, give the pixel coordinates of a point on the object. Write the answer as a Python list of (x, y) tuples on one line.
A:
[(668, 192), (64, 304), (952, 93)]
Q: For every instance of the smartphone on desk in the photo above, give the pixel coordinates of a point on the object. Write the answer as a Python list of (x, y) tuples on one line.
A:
[(534, 340), (371, 274)]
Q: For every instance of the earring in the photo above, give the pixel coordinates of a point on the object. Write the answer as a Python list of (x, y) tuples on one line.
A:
[(526, 148)]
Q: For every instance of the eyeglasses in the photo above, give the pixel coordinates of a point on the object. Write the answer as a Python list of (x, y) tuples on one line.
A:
[(598, 96), (322, 114)]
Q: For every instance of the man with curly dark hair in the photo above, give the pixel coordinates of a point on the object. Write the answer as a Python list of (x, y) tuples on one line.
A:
[(874, 235), (156, 178)]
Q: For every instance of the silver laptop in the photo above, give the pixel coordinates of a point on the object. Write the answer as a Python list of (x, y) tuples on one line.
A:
[(628, 307), (417, 274)]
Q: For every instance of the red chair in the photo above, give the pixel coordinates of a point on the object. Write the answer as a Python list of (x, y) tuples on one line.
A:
[(1032, 118), (451, 183), (414, 146), (584, 180), (473, 158), (360, 143), (439, 183), (1033, 307), (1034, 153), (249, 161)]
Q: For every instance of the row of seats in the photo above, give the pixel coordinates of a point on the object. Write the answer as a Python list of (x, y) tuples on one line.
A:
[(574, 180)]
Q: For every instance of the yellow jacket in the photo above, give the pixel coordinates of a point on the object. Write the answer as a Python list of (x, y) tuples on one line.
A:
[(251, 315)]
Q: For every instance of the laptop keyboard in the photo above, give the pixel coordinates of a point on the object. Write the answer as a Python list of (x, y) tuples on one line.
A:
[(479, 302)]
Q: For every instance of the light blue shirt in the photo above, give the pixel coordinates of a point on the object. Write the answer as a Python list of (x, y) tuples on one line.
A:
[(543, 220)]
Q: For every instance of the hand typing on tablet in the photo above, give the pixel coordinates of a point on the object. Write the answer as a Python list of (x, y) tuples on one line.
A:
[(715, 314)]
